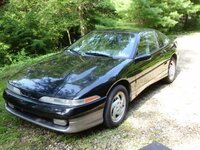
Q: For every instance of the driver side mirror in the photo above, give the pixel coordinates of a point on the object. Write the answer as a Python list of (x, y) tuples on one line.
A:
[(142, 57)]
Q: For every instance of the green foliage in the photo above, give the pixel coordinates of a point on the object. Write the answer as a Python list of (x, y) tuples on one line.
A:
[(36, 27), (164, 15), (90, 13), (4, 56)]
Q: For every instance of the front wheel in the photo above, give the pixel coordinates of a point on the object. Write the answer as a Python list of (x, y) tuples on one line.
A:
[(171, 71), (116, 107)]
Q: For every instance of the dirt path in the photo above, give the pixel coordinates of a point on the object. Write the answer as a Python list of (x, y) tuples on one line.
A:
[(170, 114)]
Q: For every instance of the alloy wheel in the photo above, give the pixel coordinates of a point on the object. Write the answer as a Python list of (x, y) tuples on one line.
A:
[(172, 70), (118, 106)]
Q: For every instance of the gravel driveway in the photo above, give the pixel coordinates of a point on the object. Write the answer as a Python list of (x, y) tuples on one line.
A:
[(170, 114)]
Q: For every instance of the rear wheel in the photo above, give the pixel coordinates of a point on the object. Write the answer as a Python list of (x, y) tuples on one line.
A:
[(171, 71), (116, 107)]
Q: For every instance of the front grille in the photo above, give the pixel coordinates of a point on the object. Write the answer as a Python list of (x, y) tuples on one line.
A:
[(45, 122), (21, 110)]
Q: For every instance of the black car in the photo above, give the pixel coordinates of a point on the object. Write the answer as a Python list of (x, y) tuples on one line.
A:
[(93, 80)]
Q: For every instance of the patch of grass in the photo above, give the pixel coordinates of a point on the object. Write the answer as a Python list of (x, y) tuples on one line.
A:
[(10, 134)]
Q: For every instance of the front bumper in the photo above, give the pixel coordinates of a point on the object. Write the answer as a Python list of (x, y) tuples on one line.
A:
[(74, 125), (78, 118)]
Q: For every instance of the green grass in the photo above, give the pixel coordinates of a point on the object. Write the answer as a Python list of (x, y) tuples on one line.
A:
[(10, 126)]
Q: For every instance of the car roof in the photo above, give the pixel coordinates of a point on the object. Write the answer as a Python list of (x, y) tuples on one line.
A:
[(129, 30)]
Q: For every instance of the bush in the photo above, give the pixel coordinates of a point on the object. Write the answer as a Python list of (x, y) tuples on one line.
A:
[(4, 57)]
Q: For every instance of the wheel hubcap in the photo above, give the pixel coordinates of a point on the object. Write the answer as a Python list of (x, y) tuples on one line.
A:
[(172, 70), (118, 106)]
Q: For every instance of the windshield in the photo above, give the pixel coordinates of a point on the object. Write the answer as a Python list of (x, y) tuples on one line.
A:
[(109, 43)]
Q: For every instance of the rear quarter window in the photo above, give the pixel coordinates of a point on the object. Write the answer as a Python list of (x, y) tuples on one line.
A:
[(163, 40), (148, 43)]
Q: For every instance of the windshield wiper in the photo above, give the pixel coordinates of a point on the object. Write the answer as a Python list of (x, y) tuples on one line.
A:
[(75, 52), (97, 54)]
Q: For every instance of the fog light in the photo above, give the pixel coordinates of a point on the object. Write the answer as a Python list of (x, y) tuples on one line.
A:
[(10, 105), (60, 122)]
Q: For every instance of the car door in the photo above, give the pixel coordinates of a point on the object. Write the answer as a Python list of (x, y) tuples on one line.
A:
[(148, 70)]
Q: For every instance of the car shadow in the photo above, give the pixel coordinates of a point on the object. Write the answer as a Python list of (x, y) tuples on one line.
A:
[(144, 96)]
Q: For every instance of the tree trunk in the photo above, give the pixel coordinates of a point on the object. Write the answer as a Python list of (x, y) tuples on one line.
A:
[(83, 28), (185, 24), (1, 3), (69, 37)]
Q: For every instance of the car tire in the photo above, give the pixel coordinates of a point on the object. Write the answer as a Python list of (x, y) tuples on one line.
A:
[(171, 71), (116, 106)]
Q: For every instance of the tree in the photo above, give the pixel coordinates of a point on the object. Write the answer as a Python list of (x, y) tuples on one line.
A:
[(160, 14), (93, 12), (191, 18), (37, 27)]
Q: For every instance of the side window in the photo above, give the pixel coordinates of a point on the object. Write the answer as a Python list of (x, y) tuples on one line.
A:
[(147, 44), (163, 40)]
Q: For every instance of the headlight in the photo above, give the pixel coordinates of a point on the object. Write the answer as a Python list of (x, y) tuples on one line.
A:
[(68, 102), (13, 89)]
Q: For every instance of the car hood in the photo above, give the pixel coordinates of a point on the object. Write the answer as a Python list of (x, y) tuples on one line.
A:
[(62, 75)]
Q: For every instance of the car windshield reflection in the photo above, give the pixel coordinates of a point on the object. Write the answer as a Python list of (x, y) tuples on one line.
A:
[(105, 44)]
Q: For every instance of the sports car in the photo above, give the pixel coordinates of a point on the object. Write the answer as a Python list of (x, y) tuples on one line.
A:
[(93, 81)]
